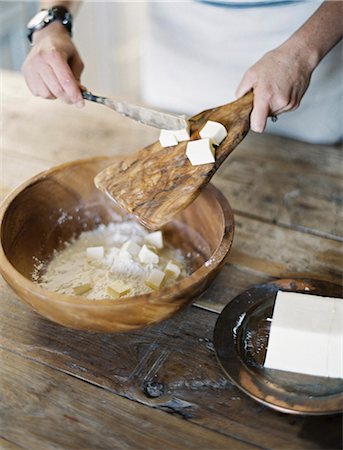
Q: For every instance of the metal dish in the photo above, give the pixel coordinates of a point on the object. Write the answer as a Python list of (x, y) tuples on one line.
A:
[(240, 340)]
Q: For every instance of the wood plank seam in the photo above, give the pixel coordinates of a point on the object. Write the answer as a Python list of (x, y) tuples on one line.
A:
[(300, 228), (3, 438), (163, 408)]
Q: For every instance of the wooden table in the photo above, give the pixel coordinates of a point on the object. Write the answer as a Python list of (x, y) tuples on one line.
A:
[(162, 388)]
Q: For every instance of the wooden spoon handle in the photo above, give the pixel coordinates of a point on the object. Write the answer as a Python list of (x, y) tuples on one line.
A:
[(235, 117)]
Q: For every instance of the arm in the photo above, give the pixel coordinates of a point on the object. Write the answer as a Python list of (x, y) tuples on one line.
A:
[(281, 77), (53, 67)]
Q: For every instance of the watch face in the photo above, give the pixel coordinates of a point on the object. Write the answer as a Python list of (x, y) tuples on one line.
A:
[(38, 19)]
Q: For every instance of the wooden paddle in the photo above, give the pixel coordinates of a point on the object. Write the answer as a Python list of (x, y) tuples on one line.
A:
[(155, 183)]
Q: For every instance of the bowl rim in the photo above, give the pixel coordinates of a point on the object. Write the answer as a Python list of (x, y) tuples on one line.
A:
[(9, 272)]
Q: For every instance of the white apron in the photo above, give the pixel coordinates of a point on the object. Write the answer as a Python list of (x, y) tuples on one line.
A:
[(196, 54)]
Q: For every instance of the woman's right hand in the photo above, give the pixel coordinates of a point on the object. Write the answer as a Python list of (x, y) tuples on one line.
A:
[(53, 67)]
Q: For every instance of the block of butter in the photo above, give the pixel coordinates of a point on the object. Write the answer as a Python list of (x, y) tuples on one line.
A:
[(155, 239), (155, 279), (95, 253), (172, 270), (200, 151), (168, 138), (215, 131), (118, 288), (306, 335), (147, 256), (130, 247)]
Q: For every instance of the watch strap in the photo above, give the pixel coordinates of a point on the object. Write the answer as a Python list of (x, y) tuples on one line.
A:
[(59, 13)]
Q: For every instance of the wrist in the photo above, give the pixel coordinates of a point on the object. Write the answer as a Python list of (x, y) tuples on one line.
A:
[(53, 28), (45, 17), (304, 53)]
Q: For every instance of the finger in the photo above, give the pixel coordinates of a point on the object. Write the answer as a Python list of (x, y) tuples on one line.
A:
[(260, 112), (245, 85), (66, 78), (51, 81), (286, 108), (36, 85), (288, 105), (43, 90), (76, 66)]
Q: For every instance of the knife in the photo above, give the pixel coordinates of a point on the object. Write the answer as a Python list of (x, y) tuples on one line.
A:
[(158, 119)]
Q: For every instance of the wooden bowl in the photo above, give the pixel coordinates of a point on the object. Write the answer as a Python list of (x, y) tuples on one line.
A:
[(56, 205)]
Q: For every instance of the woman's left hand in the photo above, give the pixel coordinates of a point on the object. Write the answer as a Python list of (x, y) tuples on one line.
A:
[(279, 81)]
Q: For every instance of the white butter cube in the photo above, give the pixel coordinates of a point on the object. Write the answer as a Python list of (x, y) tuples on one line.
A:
[(306, 335), (155, 239), (200, 152), (82, 288), (155, 279), (148, 256), (215, 131), (118, 289), (182, 135), (168, 138), (131, 247), (172, 269), (95, 253)]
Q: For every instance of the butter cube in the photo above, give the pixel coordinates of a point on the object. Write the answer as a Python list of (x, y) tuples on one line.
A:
[(182, 135), (82, 289), (306, 335), (200, 152), (155, 239), (118, 289), (147, 256), (172, 269), (168, 138), (131, 247), (215, 131), (95, 253), (155, 279)]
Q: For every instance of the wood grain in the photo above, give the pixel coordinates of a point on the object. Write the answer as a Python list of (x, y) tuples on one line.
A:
[(88, 417), (156, 183), (170, 367), (289, 183), (56, 206), (264, 251), (308, 198)]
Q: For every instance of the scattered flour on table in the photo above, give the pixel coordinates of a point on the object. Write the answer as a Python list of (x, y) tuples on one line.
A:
[(69, 267)]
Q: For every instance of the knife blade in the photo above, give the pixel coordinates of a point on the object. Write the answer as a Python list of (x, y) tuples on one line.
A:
[(147, 116)]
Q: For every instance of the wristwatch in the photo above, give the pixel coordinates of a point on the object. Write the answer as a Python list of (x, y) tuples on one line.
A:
[(46, 16)]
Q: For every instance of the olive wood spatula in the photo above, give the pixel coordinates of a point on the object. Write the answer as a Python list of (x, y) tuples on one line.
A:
[(156, 183)]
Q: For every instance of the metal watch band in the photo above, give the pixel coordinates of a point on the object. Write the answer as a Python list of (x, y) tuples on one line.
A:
[(57, 12)]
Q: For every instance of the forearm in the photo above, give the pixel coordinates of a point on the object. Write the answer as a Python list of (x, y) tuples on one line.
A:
[(319, 34)]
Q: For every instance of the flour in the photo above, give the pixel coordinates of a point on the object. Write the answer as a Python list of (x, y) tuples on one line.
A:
[(69, 267)]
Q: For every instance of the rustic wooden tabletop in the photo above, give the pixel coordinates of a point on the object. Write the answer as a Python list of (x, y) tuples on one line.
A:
[(162, 388)]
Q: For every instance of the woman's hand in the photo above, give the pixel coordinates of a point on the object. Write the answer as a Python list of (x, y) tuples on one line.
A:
[(279, 81), (53, 67)]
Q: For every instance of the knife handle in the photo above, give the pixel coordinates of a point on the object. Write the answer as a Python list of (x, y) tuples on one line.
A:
[(87, 95)]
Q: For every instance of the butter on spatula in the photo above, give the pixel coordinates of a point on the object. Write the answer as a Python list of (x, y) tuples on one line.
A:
[(306, 335), (158, 182)]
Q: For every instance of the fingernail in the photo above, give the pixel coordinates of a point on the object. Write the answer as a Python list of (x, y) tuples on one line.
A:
[(80, 104), (256, 128)]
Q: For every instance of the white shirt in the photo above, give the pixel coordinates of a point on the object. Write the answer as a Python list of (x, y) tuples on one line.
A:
[(196, 54)]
